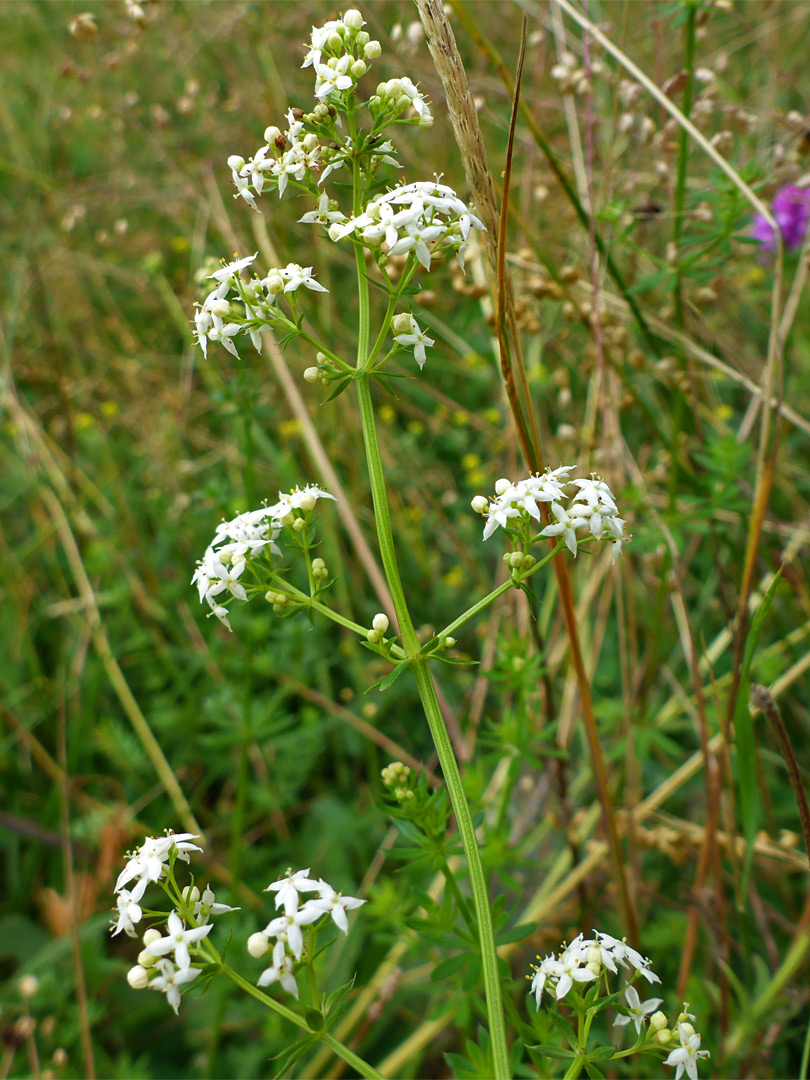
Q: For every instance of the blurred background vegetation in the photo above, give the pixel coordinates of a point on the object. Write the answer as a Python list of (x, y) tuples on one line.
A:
[(125, 711)]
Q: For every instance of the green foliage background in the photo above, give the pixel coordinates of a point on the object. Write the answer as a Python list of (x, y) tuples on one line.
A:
[(122, 447)]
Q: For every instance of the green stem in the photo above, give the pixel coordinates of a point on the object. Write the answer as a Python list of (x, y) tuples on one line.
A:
[(490, 598), (343, 1052), (421, 671)]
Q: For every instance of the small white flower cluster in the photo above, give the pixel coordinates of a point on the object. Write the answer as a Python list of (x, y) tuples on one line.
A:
[(586, 961), (592, 509), (423, 217), (164, 963), (284, 156), (338, 52), (147, 865), (582, 961), (284, 934), (246, 535), (249, 302)]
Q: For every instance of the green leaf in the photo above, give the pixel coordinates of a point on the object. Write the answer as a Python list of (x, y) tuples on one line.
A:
[(563, 1027), (517, 933), (745, 741), (552, 1051), (448, 967), (314, 1017), (601, 1053)]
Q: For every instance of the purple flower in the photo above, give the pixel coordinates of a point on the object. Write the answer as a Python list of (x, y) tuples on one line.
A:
[(791, 210)]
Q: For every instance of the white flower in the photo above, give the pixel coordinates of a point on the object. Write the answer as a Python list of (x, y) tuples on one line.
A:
[(332, 76), (229, 271), (171, 979), (287, 927), (570, 968), (295, 276), (148, 863), (323, 215), (282, 973), (638, 1010), (335, 903), (129, 913), (411, 217), (297, 499), (539, 978), (288, 888), (416, 338), (207, 906), (687, 1055), (178, 940), (625, 954)]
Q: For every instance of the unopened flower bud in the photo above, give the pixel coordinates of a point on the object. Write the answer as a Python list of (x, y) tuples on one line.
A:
[(658, 1021), (272, 133), (236, 162), (372, 50), (663, 1035), (147, 959), (373, 636), (353, 19), (358, 69), (274, 283), (448, 642), (480, 503), (258, 945), (502, 485), (308, 501), (380, 622), (362, 39), (299, 524), (401, 324), (138, 977), (150, 936), (311, 374), (426, 120), (191, 894), (334, 231), (686, 1028), (334, 42), (219, 307), (528, 562), (309, 141)]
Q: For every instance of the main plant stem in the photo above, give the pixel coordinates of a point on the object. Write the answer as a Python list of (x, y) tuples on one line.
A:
[(424, 679)]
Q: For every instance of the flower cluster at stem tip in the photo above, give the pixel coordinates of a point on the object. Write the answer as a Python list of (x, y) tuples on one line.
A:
[(283, 935), (165, 962), (251, 534), (586, 962), (178, 954), (591, 509), (418, 222)]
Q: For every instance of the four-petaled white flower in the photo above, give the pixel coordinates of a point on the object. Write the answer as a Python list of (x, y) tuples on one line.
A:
[(129, 913), (178, 940), (335, 903), (170, 980), (687, 1055), (281, 973), (148, 863), (417, 339), (287, 927), (295, 276), (288, 888), (323, 215), (570, 968), (638, 1010)]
